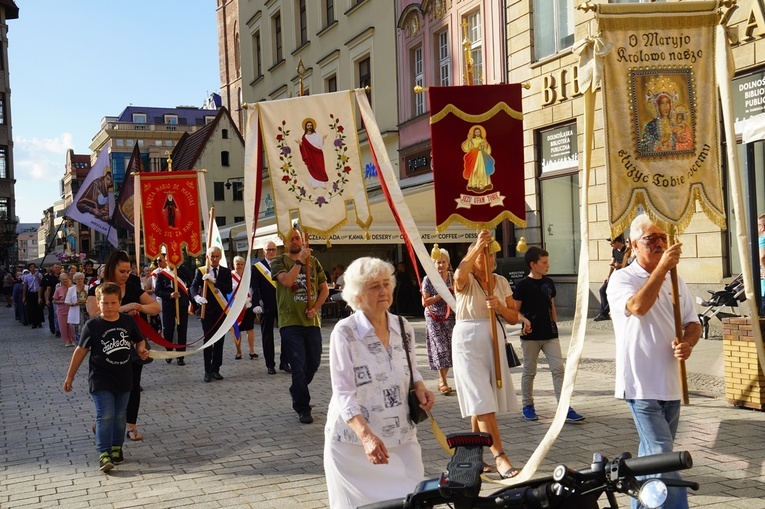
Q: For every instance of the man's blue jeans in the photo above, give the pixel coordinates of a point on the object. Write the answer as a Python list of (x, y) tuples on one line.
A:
[(110, 419), (656, 422), (303, 346)]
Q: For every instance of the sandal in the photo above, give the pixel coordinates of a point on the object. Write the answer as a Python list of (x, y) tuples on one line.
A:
[(487, 469), (238, 356), (133, 435), (510, 472), (444, 389)]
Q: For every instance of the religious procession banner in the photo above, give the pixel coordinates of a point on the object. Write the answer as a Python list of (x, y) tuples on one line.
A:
[(477, 145), (94, 202), (124, 211), (312, 151), (661, 112), (170, 205)]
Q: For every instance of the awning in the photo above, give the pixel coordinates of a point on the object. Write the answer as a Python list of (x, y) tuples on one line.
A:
[(752, 129)]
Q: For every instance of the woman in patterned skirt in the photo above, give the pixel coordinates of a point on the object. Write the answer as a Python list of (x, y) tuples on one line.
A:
[(439, 321)]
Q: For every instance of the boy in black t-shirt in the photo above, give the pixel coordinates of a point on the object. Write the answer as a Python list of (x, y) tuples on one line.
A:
[(109, 338), (534, 298)]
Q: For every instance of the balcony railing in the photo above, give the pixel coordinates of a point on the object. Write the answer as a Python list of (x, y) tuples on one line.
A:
[(131, 126)]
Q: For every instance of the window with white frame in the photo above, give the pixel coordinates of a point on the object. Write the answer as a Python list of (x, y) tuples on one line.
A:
[(276, 23), (476, 44), (258, 61), (329, 12), (302, 22), (444, 68), (418, 80), (331, 84), (365, 76), (553, 26), (139, 118), (171, 119)]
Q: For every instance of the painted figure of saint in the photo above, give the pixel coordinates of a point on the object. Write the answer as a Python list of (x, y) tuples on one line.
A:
[(170, 208), (659, 134), (312, 152), (478, 163), (95, 199)]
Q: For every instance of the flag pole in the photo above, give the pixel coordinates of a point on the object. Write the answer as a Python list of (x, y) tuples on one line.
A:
[(207, 258), (301, 73), (678, 323), (469, 79), (175, 269)]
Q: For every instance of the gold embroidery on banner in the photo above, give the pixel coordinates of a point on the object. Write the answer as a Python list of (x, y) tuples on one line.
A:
[(475, 119)]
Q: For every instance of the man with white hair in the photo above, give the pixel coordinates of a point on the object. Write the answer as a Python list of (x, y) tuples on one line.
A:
[(647, 351), (219, 285)]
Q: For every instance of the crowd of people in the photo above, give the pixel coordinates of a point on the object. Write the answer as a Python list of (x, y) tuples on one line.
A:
[(371, 447)]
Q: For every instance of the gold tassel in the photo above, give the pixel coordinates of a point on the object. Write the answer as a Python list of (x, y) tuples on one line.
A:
[(494, 247), (521, 247), (367, 236), (329, 244), (435, 253)]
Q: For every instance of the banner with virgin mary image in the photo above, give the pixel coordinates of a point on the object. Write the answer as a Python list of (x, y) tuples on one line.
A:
[(661, 112), (477, 145)]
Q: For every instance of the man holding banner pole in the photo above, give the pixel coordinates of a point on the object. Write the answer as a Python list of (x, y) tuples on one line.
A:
[(647, 345), (219, 284), (299, 322)]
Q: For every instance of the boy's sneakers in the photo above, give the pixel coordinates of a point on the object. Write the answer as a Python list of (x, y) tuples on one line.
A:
[(105, 462), (572, 416), (117, 457), (530, 414)]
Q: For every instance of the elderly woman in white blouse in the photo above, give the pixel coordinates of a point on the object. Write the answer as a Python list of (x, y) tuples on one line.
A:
[(371, 451)]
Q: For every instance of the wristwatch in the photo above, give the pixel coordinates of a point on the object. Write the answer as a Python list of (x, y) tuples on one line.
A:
[(298, 262)]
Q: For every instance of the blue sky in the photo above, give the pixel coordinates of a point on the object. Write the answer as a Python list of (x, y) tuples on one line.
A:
[(73, 63)]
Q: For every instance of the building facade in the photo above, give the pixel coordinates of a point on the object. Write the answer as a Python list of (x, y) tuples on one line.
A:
[(343, 45), (8, 219), (230, 63)]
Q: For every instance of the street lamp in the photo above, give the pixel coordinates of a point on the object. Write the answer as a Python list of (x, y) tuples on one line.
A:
[(237, 182)]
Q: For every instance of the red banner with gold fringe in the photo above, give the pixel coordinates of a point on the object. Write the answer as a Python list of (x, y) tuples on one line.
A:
[(170, 214), (477, 145)]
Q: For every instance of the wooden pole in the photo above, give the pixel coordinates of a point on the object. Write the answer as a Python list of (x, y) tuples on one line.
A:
[(207, 259), (489, 280), (678, 323)]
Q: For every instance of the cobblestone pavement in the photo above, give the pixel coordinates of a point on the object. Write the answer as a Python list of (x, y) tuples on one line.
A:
[(237, 442)]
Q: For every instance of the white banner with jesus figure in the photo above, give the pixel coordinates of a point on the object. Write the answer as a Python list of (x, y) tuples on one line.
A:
[(312, 151)]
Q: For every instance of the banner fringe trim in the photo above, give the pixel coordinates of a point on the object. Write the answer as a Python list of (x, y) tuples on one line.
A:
[(481, 225), (481, 117)]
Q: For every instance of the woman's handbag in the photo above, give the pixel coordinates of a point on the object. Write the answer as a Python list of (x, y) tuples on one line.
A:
[(512, 358), (416, 413)]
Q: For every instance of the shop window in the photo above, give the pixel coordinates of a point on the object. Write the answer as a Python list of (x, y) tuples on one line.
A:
[(559, 196), (553, 26)]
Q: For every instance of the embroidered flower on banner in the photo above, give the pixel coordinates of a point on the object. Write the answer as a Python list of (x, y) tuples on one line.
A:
[(290, 178)]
